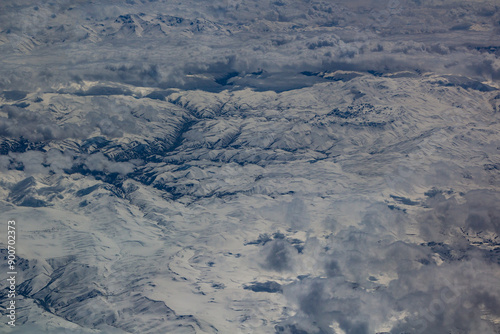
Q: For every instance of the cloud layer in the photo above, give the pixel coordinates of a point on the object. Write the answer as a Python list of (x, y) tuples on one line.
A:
[(258, 166)]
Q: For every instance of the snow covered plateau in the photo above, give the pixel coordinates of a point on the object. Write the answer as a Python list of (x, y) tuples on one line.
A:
[(251, 166)]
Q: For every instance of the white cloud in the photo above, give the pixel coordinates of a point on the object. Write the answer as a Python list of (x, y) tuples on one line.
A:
[(98, 162)]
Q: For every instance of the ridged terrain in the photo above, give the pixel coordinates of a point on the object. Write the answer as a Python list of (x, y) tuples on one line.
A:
[(251, 167)]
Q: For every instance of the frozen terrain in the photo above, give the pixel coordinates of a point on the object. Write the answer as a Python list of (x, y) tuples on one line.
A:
[(252, 166)]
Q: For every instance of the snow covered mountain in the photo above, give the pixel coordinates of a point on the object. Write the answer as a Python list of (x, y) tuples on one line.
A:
[(251, 167)]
